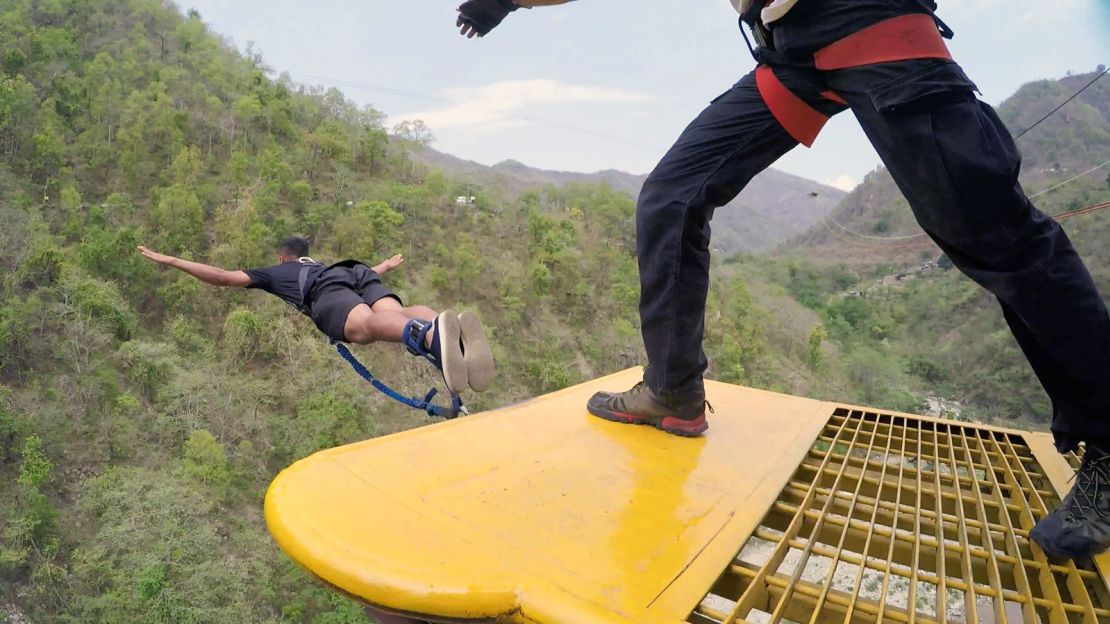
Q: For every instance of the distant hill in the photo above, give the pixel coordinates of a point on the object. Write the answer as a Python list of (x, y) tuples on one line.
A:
[(1068, 143), (774, 208)]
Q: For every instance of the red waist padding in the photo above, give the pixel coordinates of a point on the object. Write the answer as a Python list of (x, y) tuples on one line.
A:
[(799, 119), (901, 38)]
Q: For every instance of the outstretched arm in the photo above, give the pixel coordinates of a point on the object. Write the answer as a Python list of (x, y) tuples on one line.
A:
[(203, 272), (478, 17), (388, 265)]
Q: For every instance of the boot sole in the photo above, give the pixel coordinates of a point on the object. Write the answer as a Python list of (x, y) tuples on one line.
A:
[(450, 352), (669, 424), (480, 368)]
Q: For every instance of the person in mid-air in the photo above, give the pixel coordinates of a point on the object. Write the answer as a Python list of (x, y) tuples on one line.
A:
[(349, 303), (952, 158)]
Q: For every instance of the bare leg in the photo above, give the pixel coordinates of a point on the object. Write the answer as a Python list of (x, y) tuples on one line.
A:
[(385, 321), (420, 312), (365, 326)]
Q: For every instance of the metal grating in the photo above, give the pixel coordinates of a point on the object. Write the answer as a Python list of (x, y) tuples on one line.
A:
[(898, 519)]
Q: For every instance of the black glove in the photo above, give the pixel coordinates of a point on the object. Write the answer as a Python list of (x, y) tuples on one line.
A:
[(478, 17)]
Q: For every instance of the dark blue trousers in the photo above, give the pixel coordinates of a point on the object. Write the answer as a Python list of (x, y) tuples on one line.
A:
[(953, 160)]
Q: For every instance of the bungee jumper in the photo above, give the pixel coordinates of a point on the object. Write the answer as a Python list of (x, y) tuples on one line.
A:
[(953, 159), (349, 304)]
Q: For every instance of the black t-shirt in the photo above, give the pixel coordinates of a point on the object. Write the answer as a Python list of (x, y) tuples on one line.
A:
[(283, 280)]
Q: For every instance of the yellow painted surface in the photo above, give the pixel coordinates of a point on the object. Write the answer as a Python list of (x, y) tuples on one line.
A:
[(542, 513)]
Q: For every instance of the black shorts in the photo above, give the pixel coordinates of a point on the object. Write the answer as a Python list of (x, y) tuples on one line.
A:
[(333, 304)]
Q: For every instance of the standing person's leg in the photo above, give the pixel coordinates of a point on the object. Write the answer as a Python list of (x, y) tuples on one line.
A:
[(732, 140), (958, 166)]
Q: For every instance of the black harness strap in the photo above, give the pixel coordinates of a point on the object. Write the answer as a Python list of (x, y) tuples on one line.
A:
[(302, 278), (931, 7), (302, 284)]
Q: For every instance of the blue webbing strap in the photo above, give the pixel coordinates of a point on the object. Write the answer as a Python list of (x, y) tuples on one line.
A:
[(425, 404)]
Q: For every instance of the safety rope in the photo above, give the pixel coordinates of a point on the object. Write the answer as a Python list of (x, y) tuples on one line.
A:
[(902, 239), (892, 239), (1070, 180), (1082, 211), (911, 242), (424, 404), (1062, 104), (895, 239)]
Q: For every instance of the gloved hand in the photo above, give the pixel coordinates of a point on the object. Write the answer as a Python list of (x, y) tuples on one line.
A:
[(478, 17)]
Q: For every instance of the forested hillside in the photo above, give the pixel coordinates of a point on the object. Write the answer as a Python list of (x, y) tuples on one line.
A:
[(142, 414)]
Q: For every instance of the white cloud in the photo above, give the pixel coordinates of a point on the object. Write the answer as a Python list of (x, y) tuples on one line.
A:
[(842, 182), (496, 106)]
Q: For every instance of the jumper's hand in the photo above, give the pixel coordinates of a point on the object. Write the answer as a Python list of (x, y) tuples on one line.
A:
[(478, 17), (155, 256), (393, 262), (388, 265)]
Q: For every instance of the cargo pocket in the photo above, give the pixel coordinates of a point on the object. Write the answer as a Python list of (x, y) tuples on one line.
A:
[(977, 162), (944, 80)]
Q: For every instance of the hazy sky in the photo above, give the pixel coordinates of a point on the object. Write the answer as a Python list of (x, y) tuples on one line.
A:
[(600, 84)]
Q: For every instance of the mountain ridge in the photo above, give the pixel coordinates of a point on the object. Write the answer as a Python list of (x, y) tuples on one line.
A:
[(775, 207)]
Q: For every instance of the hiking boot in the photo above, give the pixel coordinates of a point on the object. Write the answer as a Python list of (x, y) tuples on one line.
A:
[(445, 351), (1080, 527), (476, 352), (639, 406)]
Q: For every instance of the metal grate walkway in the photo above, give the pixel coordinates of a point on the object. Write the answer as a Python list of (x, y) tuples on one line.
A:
[(899, 519)]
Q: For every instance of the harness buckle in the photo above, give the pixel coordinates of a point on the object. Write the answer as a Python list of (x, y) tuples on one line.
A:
[(415, 331)]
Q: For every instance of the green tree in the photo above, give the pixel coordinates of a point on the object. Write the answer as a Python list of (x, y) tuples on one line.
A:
[(12, 431), (148, 364), (330, 141), (816, 342), (101, 303), (29, 525), (109, 253), (373, 145), (18, 106), (324, 420), (35, 470), (384, 222), (243, 333), (246, 110), (179, 216), (49, 147), (43, 265), (205, 459)]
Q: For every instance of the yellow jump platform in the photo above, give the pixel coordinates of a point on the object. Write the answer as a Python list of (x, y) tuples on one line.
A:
[(788, 509)]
